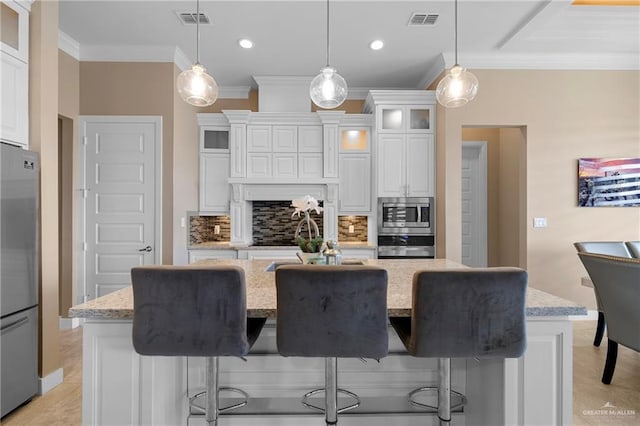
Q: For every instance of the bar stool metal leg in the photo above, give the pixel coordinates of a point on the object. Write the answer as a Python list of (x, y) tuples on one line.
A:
[(444, 390), (211, 414), (331, 390)]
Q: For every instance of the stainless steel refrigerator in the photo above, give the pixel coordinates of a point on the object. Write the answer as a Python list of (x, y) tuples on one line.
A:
[(18, 276)]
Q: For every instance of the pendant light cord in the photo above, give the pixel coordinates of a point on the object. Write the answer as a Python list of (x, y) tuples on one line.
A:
[(327, 32), (455, 26), (197, 31)]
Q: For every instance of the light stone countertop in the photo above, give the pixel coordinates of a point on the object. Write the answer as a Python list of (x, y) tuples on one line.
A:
[(261, 291), (216, 245)]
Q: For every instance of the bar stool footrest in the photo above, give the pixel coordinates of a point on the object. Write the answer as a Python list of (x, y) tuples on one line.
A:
[(194, 401), (462, 400), (352, 395)]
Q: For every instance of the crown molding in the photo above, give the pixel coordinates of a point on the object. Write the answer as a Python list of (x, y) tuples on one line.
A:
[(181, 60), (275, 80), (357, 93), (439, 65), (68, 45), (134, 53)]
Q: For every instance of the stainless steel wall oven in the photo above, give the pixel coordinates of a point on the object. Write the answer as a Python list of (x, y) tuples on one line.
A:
[(406, 228)]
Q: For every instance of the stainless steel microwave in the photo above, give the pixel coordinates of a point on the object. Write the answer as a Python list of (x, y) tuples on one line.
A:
[(409, 215)]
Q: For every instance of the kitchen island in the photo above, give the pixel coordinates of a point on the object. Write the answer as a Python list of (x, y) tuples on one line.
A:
[(121, 387)]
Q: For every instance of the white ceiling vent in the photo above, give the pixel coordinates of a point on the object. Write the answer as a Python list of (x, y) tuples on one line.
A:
[(189, 18), (420, 19)]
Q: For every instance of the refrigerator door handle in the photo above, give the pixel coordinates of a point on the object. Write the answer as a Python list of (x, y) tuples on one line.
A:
[(14, 324)]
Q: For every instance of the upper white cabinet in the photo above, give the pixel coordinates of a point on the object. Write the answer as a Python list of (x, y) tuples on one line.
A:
[(405, 165), (14, 73), (405, 129), (214, 188), (14, 114), (14, 37), (405, 119), (354, 166)]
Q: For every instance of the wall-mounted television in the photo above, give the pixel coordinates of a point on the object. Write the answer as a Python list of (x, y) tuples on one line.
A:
[(609, 182)]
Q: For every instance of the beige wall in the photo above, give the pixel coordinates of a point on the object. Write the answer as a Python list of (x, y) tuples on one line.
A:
[(68, 111), (43, 138), (133, 88), (567, 115), (186, 164)]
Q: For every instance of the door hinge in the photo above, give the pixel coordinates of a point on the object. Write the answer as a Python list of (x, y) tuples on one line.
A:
[(84, 140), (84, 246)]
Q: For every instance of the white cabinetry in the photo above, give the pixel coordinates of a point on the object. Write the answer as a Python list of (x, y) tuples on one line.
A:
[(405, 128), (14, 73), (214, 188), (405, 165), (358, 253), (354, 165)]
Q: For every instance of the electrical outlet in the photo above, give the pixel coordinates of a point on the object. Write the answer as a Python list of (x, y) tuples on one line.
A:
[(539, 222), (216, 229), (183, 222), (351, 229)]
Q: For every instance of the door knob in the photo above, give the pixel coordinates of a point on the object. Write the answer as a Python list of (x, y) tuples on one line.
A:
[(147, 249)]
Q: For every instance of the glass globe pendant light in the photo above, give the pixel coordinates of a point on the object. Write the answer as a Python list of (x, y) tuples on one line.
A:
[(328, 89), (459, 86), (194, 85)]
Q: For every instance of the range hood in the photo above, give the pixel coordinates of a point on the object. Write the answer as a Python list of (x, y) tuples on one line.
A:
[(283, 94)]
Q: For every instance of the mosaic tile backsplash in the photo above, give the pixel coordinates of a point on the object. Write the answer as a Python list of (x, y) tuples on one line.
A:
[(202, 229), (359, 229), (273, 224)]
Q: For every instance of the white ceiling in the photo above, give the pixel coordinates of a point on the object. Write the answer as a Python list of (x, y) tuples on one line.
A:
[(289, 37)]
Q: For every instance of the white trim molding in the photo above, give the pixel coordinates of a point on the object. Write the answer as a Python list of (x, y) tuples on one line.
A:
[(181, 60), (45, 384), (234, 92), (68, 45), (132, 53)]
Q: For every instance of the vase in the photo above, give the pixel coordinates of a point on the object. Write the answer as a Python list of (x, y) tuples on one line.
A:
[(310, 258)]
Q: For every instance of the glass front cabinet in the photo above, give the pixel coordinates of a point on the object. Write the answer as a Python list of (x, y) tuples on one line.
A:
[(406, 119)]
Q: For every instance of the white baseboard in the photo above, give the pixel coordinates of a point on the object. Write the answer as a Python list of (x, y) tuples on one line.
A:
[(592, 315), (69, 323), (50, 382)]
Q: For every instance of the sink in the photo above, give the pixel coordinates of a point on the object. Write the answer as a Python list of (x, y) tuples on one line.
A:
[(275, 264)]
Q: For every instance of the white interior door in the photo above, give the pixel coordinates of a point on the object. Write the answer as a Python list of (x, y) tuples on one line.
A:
[(474, 204), (121, 198)]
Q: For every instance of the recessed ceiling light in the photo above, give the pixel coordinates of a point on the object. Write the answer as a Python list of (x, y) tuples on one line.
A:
[(376, 44), (245, 43)]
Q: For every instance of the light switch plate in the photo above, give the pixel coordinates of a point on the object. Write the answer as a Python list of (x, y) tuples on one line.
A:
[(216, 229), (351, 229), (539, 222)]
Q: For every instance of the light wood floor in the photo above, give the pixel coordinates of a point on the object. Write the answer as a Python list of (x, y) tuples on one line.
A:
[(62, 405)]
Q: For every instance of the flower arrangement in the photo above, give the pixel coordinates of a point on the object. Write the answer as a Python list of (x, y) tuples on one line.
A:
[(305, 205)]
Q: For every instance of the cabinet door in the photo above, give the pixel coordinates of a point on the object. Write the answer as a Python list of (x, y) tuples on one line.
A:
[(420, 118), (391, 119), (310, 138), (309, 165), (259, 165), (391, 165), (14, 112), (14, 37), (285, 165), (214, 185), (355, 183), (258, 138), (419, 165), (285, 138)]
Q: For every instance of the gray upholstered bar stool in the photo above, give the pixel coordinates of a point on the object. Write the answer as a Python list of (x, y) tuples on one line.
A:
[(465, 313), (332, 312), (194, 311)]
